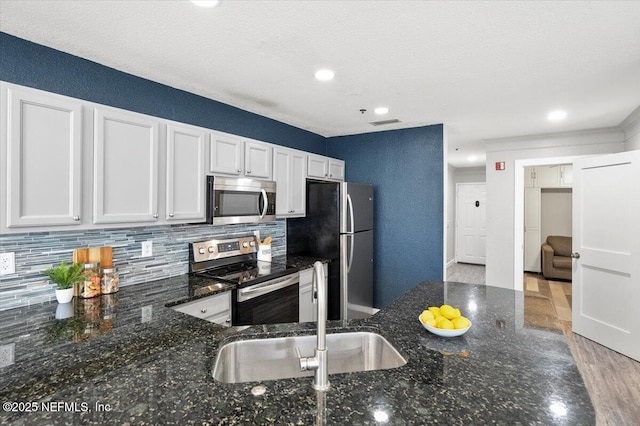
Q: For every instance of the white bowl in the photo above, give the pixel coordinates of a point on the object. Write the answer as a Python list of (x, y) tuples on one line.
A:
[(443, 332)]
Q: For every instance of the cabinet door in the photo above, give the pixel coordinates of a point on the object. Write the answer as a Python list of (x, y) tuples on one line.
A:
[(226, 154), (185, 188), (317, 166), (125, 167), (548, 176), (336, 169), (43, 159), (257, 160), (281, 175), (529, 177), (566, 175), (298, 184)]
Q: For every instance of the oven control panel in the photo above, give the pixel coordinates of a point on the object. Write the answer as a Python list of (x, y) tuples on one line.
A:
[(218, 249)]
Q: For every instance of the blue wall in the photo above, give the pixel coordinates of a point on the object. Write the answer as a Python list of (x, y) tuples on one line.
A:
[(406, 169), (30, 64)]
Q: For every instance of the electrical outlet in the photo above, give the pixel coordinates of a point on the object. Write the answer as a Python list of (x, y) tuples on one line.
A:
[(147, 248), (7, 354), (147, 313), (7, 263)]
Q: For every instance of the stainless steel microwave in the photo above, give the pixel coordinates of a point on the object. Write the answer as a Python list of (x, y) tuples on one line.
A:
[(238, 200)]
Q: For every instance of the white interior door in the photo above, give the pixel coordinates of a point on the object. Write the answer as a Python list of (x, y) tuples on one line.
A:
[(606, 236), (532, 226), (471, 230)]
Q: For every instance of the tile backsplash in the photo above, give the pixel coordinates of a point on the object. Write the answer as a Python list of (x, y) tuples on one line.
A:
[(35, 252)]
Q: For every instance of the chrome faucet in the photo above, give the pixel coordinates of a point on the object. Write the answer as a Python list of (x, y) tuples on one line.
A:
[(319, 361)]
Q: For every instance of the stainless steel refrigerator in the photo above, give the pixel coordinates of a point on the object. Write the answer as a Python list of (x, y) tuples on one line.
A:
[(339, 226)]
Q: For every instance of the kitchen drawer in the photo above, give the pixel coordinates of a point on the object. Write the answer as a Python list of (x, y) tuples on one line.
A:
[(215, 309)]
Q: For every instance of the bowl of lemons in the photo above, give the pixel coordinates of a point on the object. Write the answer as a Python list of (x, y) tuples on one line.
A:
[(445, 321)]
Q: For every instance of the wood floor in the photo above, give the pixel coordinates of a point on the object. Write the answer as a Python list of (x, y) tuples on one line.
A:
[(612, 379)]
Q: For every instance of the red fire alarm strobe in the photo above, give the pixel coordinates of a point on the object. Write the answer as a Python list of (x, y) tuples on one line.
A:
[(499, 165)]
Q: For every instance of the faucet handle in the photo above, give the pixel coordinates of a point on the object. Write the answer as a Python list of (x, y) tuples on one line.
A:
[(303, 360)]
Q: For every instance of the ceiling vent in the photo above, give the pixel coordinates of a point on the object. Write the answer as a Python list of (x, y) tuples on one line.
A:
[(385, 122)]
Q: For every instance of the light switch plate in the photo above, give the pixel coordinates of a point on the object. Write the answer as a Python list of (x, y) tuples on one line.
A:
[(147, 248), (7, 263)]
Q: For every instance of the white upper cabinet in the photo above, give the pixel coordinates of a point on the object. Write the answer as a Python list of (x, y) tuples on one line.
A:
[(290, 172), (322, 167), (552, 176), (43, 139), (226, 154), (185, 184), (257, 160), (125, 174), (233, 156)]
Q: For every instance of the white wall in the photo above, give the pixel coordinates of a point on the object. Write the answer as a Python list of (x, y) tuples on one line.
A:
[(501, 187), (555, 212), (631, 127)]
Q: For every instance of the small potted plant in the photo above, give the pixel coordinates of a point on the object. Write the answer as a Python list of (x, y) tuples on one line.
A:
[(65, 276)]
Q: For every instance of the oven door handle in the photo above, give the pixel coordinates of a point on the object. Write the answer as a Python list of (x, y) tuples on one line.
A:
[(267, 287)]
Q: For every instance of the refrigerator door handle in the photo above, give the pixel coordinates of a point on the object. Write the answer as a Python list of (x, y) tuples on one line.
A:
[(350, 260), (350, 213)]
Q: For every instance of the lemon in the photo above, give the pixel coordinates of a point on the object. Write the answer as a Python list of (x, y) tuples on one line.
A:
[(461, 322), (445, 324), (458, 314), (448, 311), (434, 310), (431, 322), (426, 315)]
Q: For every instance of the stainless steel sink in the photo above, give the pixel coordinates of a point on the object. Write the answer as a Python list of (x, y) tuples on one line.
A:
[(275, 358)]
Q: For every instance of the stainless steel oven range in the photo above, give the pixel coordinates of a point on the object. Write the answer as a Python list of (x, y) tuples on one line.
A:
[(266, 292)]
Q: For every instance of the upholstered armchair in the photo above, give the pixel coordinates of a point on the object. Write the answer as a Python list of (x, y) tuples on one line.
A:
[(556, 257)]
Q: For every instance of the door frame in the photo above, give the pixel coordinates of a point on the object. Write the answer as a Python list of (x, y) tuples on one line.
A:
[(518, 210)]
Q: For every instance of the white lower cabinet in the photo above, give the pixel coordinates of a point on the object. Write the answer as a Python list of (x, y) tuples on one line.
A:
[(216, 309), (308, 301)]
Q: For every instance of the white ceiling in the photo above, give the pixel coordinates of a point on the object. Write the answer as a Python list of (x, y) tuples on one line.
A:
[(486, 70)]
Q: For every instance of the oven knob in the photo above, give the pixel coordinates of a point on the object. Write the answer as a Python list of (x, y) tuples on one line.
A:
[(252, 243), (201, 250), (245, 244), (211, 249)]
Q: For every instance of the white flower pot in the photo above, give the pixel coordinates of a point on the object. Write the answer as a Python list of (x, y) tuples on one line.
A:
[(64, 296)]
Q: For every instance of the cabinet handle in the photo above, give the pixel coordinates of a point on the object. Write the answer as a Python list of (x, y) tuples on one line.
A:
[(330, 175), (239, 170), (76, 218), (203, 310), (155, 216), (248, 172), (228, 320), (170, 214)]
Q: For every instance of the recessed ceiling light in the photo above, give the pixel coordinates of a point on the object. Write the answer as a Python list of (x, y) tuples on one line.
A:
[(206, 3), (472, 158), (381, 110), (557, 115), (325, 74)]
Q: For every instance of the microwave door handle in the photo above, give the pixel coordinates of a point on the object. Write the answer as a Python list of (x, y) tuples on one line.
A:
[(265, 203)]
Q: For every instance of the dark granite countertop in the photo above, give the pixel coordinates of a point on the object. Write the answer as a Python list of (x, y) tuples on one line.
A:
[(128, 359)]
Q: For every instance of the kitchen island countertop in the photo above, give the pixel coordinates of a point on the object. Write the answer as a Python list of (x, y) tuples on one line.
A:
[(135, 361)]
